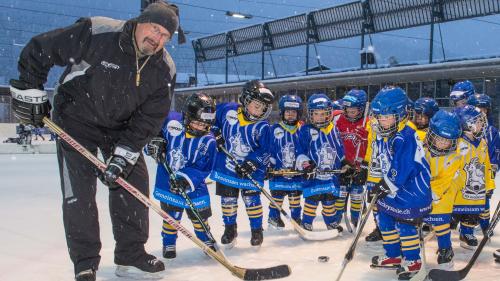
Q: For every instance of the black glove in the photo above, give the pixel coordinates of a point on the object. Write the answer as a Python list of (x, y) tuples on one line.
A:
[(361, 175), (30, 104), (381, 189), (489, 193), (245, 168), (219, 139), (345, 177), (180, 184), (120, 164), (157, 148), (309, 169)]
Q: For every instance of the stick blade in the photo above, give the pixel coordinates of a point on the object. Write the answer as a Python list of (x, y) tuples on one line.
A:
[(319, 235), (274, 272), (444, 275)]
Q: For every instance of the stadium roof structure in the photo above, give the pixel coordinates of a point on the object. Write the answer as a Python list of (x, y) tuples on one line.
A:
[(353, 19)]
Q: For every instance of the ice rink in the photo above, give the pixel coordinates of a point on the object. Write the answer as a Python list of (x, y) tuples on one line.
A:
[(33, 246)]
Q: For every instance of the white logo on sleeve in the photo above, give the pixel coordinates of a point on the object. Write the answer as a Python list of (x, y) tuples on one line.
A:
[(232, 117), (174, 128), (279, 133)]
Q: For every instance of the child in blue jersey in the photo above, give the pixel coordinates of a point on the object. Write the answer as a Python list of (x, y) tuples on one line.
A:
[(188, 148), (404, 194), (483, 102), (284, 144), (320, 149), (244, 132)]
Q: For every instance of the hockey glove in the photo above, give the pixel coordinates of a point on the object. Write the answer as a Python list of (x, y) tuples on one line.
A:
[(157, 148), (309, 168), (489, 193), (120, 164), (180, 184), (381, 189), (361, 175), (29, 104), (245, 168), (219, 139)]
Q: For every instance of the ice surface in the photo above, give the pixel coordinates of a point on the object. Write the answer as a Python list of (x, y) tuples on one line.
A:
[(33, 246)]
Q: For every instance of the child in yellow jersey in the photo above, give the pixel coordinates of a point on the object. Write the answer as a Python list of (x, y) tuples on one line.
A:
[(374, 174), (440, 146), (475, 178)]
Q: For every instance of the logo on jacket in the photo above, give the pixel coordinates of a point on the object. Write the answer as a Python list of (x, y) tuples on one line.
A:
[(109, 65), (238, 149), (174, 128), (288, 154), (177, 159), (232, 117), (474, 184)]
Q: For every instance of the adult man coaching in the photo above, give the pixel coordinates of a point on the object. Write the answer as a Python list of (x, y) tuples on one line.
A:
[(114, 95)]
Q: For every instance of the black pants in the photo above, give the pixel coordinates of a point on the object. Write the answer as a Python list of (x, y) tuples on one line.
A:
[(129, 216)]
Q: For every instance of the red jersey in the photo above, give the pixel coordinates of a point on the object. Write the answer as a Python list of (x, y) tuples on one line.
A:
[(352, 134)]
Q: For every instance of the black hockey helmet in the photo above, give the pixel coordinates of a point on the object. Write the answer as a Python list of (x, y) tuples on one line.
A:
[(199, 107), (256, 90)]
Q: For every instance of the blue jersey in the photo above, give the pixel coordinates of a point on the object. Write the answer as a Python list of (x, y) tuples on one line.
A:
[(245, 140), (407, 173), (324, 147), (493, 140), (284, 146), (189, 157)]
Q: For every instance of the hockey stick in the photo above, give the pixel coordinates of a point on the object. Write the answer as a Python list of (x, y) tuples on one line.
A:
[(445, 275), (275, 272), (358, 147), (304, 234), (190, 203), (350, 253)]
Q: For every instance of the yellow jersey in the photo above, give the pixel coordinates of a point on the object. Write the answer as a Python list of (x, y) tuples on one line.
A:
[(474, 178), (374, 165)]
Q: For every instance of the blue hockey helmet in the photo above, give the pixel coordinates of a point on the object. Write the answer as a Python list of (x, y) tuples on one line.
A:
[(461, 91), (389, 101), (290, 102), (355, 98), (337, 104), (424, 107), (480, 100), (444, 131), (320, 101), (472, 120)]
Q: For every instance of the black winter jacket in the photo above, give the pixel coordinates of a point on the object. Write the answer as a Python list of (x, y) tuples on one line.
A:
[(98, 87)]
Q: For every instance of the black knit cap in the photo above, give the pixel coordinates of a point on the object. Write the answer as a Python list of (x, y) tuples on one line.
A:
[(164, 14)]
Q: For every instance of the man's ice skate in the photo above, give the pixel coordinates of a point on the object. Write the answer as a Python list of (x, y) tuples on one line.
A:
[(85, 275), (145, 267)]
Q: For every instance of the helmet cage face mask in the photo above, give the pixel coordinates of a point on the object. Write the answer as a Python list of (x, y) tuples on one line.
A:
[(472, 124), (420, 116), (199, 108), (247, 99), (321, 124), (432, 141), (358, 116), (390, 130)]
